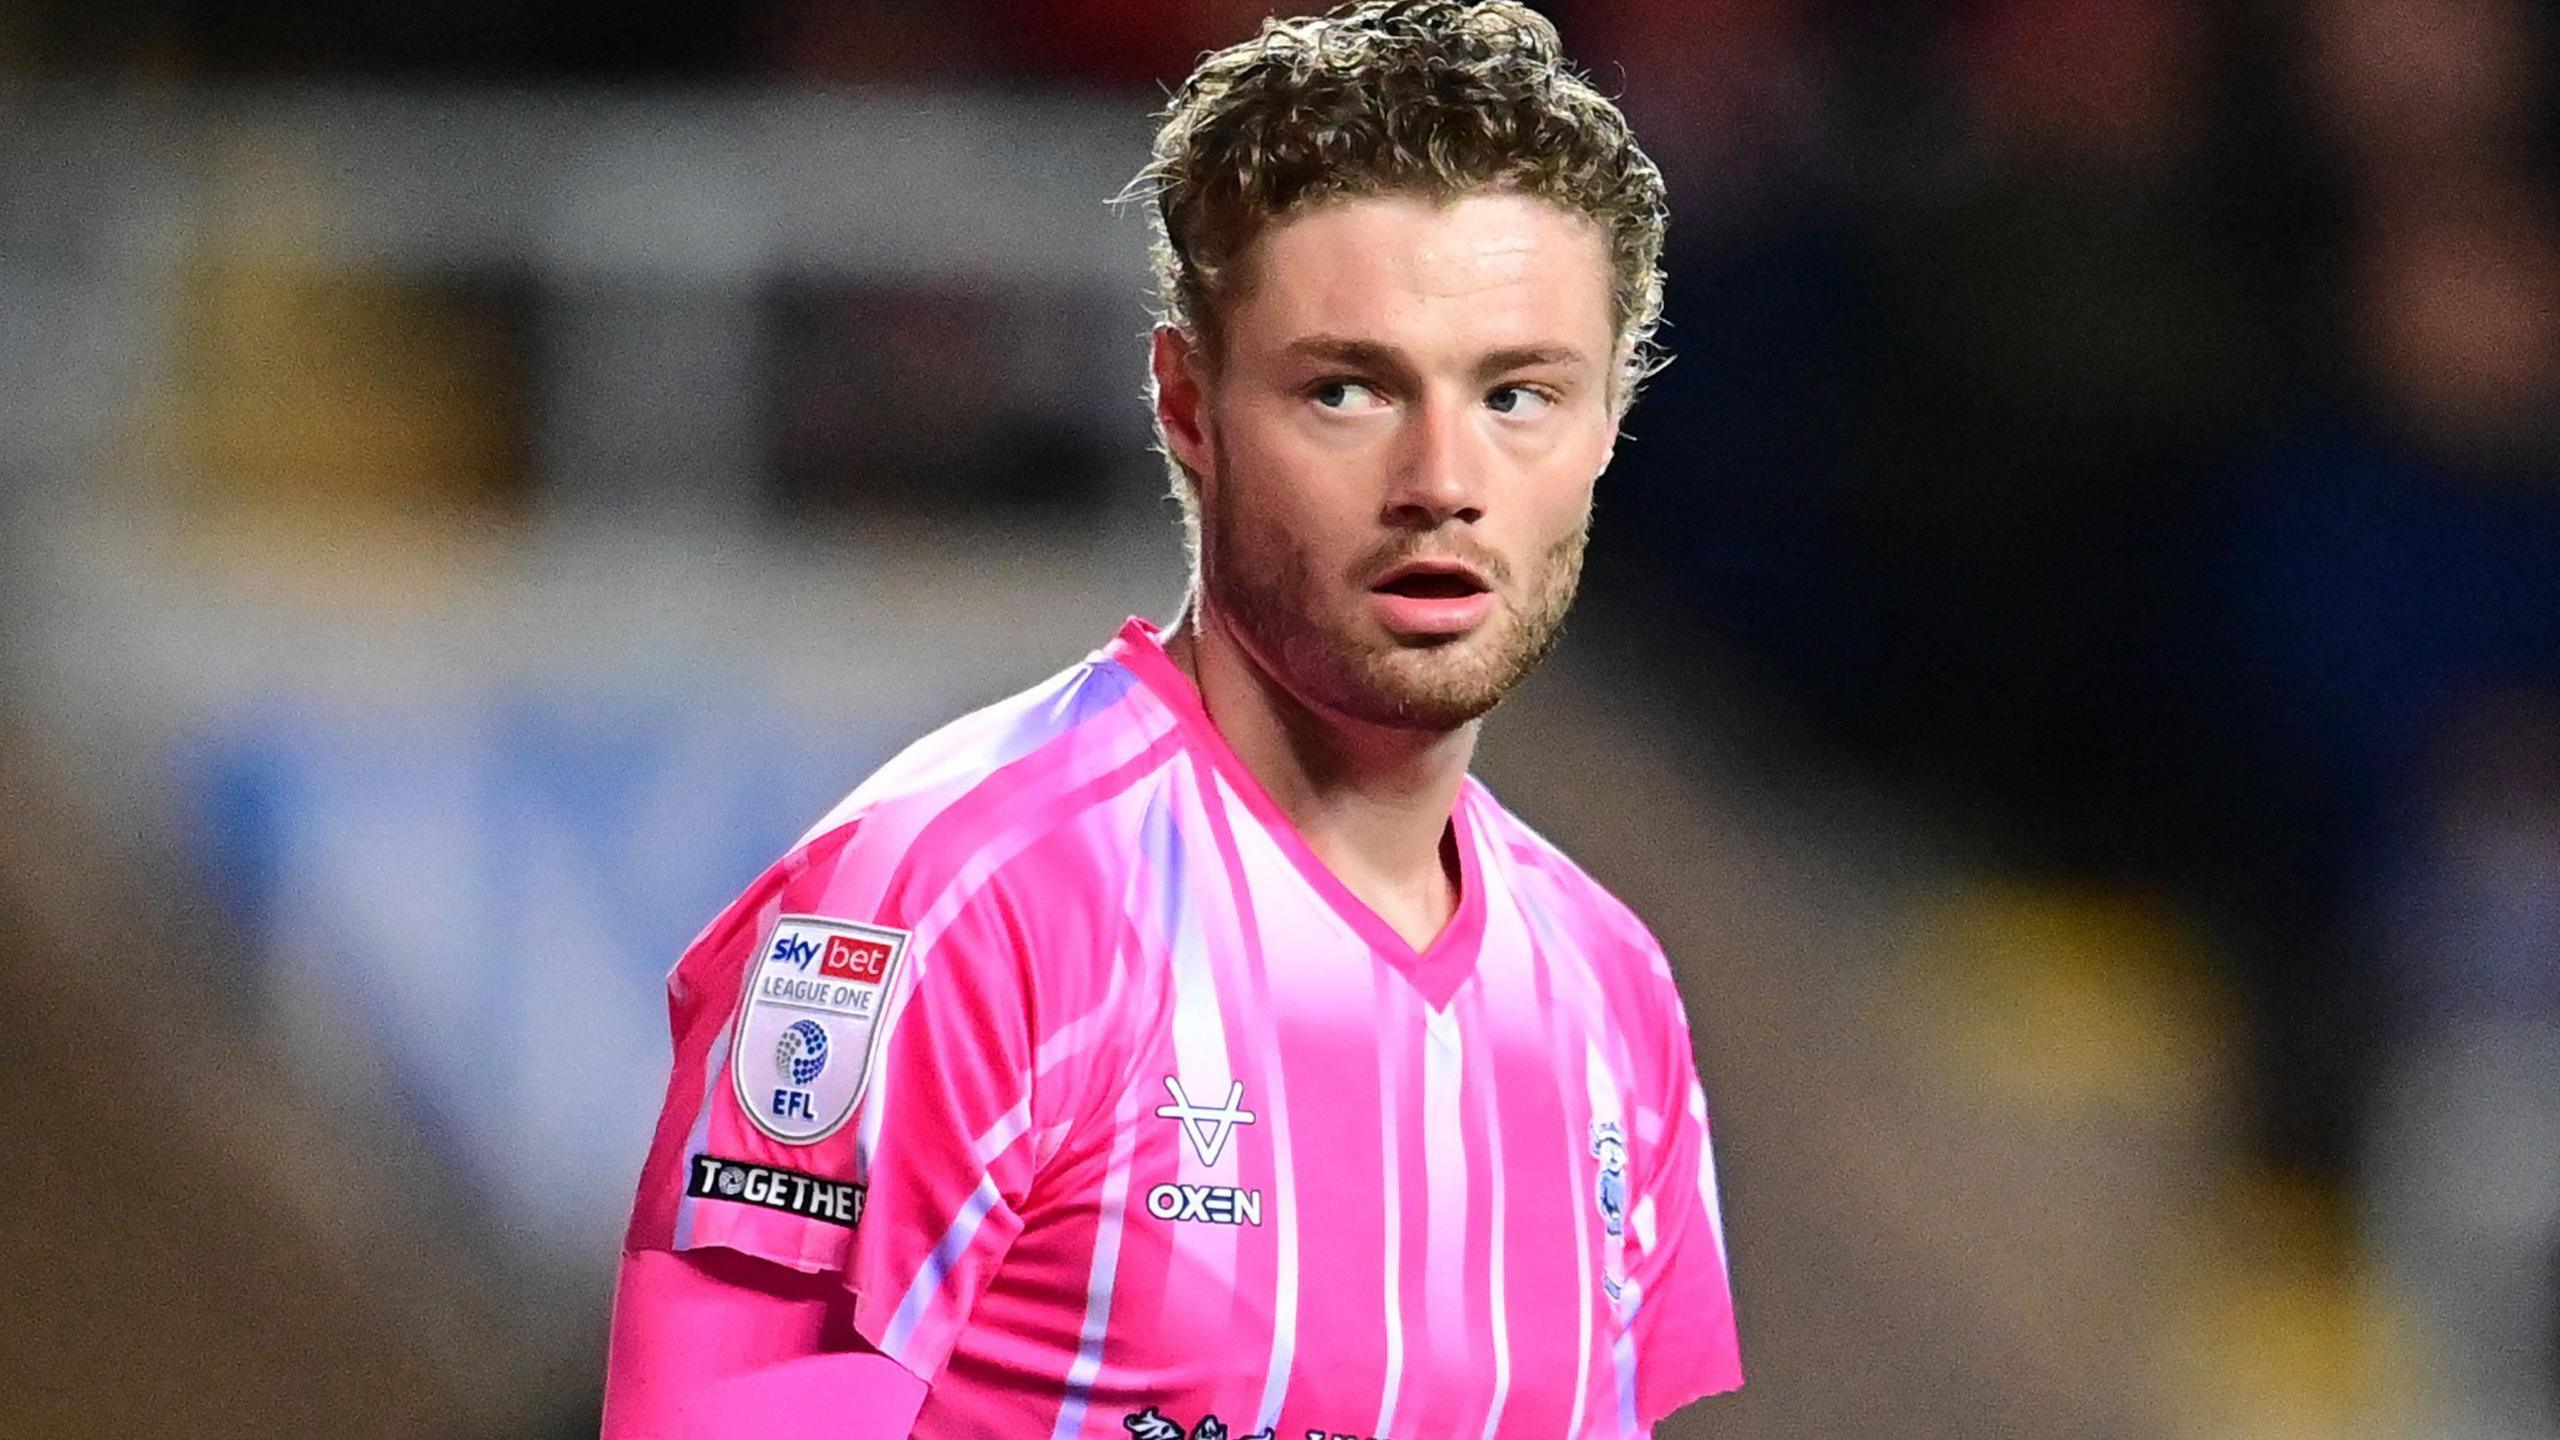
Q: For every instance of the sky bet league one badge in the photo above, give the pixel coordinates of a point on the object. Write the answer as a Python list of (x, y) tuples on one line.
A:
[(813, 1012)]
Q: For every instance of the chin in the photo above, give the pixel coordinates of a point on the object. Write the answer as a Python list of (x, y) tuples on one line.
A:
[(1440, 684)]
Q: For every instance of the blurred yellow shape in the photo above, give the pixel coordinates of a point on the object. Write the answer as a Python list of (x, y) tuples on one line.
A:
[(2072, 997), (304, 386), (2278, 1332)]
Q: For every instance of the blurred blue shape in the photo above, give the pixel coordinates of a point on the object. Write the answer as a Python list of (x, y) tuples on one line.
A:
[(467, 907)]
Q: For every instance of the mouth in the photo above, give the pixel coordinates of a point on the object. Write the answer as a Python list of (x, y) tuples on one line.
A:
[(1431, 601), (1432, 580)]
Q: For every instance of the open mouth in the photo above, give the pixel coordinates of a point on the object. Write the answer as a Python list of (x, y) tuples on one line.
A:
[(1431, 581), (1432, 585), (1431, 601)]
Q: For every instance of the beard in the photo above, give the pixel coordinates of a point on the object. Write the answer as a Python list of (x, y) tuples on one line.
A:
[(1265, 586)]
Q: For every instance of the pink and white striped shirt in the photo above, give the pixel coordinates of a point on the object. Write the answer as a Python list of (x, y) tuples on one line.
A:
[(1121, 1116)]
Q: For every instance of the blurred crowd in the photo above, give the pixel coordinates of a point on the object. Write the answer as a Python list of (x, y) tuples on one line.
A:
[(2124, 431)]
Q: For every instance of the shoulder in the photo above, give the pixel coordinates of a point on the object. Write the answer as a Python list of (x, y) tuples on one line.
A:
[(1601, 935), (1023, 810), (1030, 790), (1565, 893)]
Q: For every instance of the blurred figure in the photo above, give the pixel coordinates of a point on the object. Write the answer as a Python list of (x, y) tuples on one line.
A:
[(2392, 552), (2463, 1160), (2457, 306), (2423, 98)]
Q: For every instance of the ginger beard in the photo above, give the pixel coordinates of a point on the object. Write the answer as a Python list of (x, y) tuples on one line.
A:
[(1311, 635)]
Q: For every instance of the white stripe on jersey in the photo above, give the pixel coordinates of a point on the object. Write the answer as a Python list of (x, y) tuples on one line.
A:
[(1444, 1180), (1106, 1266), (946, 1252), (1500, 1296), (1391, 1197)]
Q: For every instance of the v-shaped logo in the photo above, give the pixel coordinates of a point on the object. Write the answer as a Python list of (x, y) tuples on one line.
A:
[(1208, 1127)]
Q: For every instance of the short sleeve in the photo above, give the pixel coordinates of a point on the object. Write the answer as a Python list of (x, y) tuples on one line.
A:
[(1686, 1343), (851, 1092)]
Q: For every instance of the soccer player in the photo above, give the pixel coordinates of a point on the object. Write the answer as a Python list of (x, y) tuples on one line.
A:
[(1188, 1047)]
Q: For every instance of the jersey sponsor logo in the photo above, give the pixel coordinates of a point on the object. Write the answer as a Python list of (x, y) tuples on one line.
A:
[(1207, 1204), (1208, 1128), (812, 1017), (1151, 1424), (838, 1202)]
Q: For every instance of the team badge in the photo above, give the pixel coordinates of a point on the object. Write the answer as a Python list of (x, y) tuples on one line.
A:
[(1609, 1147), (812, 1016)]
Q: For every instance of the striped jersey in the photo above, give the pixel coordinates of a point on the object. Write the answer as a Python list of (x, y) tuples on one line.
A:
[(1121, 1116)]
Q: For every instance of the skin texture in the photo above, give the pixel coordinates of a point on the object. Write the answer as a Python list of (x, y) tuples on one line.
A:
[(1402, 378)]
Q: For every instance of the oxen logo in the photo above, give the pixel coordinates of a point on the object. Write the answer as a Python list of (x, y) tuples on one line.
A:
[(1208, 1128), (1207, 1125)]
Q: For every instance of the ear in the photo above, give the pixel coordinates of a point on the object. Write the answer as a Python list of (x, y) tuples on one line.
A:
[(1182, 401)]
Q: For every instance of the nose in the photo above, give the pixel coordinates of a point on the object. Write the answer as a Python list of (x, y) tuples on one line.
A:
[(1438, 475)]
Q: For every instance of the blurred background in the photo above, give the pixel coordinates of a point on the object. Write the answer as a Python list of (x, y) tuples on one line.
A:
[(2071, 665)]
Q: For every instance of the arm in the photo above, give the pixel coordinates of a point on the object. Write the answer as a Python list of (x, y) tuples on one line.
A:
[(763, 1242), (1685, 1340), (714, 1343)]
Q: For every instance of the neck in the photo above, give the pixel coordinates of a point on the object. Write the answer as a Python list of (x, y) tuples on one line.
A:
[(1372, 801)]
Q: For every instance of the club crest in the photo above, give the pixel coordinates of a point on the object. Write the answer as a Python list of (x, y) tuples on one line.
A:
[(1609, 1148)]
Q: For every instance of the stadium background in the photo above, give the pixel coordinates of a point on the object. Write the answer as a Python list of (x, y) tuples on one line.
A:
[(2071, 667)]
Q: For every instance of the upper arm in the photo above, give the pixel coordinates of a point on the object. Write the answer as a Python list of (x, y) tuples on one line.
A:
[(716, 1343), (851, 1089)]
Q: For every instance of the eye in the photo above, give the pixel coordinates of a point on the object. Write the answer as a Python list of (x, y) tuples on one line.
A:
[(1520, 400), (1346, 397)]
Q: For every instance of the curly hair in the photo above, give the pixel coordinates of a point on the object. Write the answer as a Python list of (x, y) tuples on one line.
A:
[(1435, 97)]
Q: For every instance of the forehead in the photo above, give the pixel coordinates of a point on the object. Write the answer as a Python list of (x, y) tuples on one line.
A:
[(1477, 272)]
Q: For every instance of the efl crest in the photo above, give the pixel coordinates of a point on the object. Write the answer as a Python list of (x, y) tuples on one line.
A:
[(812, 1016)]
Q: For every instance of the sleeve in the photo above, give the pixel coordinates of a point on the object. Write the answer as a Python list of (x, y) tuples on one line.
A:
[(851, 1093), (1686, 1344), (713, 1343)]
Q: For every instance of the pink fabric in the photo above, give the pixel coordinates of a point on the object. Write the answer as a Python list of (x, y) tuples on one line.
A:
[(703, 1349), (1474, 1195)]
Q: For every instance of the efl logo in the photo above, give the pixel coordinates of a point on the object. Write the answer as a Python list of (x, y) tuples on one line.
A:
[(843, 973), (852, 958)]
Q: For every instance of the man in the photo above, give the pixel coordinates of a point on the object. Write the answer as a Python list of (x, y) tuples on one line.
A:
[(1187, 1047)]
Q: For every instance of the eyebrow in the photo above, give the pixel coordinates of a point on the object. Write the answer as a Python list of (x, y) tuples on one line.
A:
[(1387, 359)]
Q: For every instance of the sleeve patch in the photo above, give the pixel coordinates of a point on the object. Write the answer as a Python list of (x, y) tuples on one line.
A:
[(812, 1019), (837, 1202)]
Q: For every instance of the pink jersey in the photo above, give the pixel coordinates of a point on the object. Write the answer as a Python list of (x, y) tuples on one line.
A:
[(1121, 1116)]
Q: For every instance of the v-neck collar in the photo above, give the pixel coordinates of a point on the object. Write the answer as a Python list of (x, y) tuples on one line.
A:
[(1436, 970)]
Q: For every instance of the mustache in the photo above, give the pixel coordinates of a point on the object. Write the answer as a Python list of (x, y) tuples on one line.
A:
[(1418, 548)]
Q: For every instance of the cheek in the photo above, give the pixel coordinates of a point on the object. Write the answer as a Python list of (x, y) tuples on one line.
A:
[(1281, 488), (1556, 495)]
